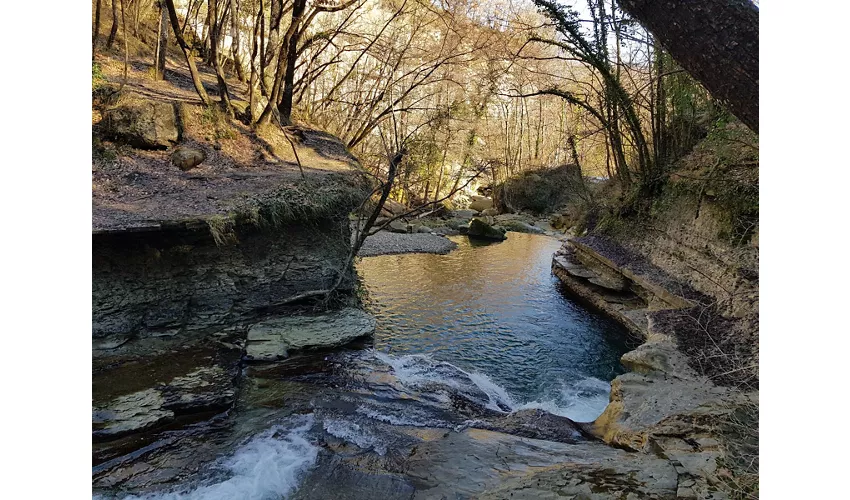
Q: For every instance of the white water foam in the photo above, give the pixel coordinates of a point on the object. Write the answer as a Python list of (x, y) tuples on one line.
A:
[(354, 433), (415, 370), (580, 401), (268, 466), (407, 415)]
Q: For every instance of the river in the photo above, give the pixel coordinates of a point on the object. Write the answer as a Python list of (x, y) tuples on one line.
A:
[(464, 341)]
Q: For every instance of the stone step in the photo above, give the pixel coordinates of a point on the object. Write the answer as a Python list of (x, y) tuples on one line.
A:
[(610, 283), (573, 269)]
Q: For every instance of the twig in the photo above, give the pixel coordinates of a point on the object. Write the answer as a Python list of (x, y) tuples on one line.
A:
[(292, 144)]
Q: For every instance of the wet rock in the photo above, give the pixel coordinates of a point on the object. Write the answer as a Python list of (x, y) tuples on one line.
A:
[(208, 388), (480, 229), (205, 389), (339, 480), (457, 223), (536, 424), (630, 478), (143, 123), (130, 413), (484, 464), (187, 158), (272, 339), (521, 227)]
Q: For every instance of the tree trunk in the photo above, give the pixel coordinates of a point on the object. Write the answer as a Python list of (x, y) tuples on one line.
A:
[(161, 45), (114, 30), (716, 41), (285, 107), (187, 51), (234, 43), (96, 27), (215, 34)]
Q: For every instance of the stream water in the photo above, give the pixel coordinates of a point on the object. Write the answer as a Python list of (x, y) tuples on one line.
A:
[(464, 340), (496, 311)]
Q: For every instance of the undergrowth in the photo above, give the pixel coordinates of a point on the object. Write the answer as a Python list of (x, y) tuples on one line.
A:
[(97, 77), (214, 119), (738, 470), (305, 202)]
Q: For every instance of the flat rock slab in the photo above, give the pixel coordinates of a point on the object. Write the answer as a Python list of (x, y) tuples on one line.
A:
[(272, 339)]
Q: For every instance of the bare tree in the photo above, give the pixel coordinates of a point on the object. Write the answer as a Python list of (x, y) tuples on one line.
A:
[(187, 52), (96, 30), (161, 43), (215, 40), (114, 30)]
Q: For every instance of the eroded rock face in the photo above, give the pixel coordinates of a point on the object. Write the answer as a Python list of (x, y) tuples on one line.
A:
[(174, 281), (273, 339), (143, 123)]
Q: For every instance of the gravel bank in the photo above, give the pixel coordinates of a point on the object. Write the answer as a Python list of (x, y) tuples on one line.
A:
[(386, 243)]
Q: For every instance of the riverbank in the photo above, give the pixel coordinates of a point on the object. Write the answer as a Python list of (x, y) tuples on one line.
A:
[(703, 416)]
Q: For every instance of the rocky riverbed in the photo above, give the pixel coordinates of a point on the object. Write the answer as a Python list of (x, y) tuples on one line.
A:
[(428, 234)]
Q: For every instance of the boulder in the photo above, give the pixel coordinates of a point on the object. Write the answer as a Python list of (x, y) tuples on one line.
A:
[(521, 227), (398, 226), (490, 212), (480, 229), (143, 123), (187, 158), (272, 339), (457, 223), (562, 221), (481, 203), (394, 207)]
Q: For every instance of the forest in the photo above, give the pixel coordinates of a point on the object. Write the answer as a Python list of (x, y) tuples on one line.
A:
[(497, 88)]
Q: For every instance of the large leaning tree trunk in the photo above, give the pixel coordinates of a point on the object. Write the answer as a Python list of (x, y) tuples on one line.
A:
[(187, 51), (716, 41)]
